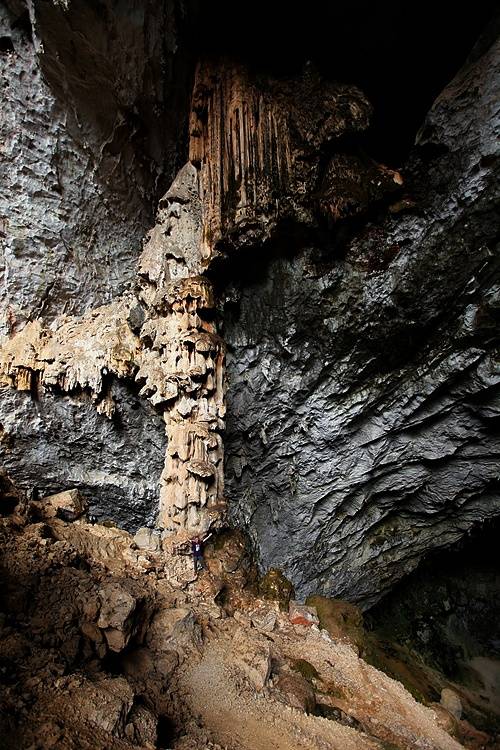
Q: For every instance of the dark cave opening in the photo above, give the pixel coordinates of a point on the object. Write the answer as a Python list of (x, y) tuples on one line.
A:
[(6, 45), (448, 612), (400, 55)]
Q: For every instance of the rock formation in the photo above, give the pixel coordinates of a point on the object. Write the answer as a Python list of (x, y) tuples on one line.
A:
[(260, 146), (165, 337), (101, 646), (182, 361), (236, 300), (175, 355)]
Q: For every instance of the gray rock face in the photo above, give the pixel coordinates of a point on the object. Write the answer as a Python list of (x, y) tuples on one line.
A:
[(84, 151), (58, 442), (364, 396)]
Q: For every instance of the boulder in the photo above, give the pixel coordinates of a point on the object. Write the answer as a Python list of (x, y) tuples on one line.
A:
[(147, 539), (276, 587), (116, 615), (142, 727), (300, 614), (149, 674), (95, 635), (175, 628), (105, 703), (142, 664), (341, 619), (68, 505), (296, 692), (253, 658), (451, 702)]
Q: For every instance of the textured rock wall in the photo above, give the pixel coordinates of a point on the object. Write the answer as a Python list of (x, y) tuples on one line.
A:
[(79, 175), (164, 336), (55, 442), (364, 388), (164, 339), (363, 403)]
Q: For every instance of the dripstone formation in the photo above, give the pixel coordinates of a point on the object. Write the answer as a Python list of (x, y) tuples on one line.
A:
[(364, 381), (165, 341), (183, 359), (261, 144), (163, 336)]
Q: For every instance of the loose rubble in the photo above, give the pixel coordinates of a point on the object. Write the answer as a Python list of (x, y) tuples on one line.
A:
[(111, 641)]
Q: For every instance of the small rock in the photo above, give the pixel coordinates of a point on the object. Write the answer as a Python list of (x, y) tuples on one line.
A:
[(264, 619), (451, 701), (242, 618), (444, 718), (214, 612), (300, 614)]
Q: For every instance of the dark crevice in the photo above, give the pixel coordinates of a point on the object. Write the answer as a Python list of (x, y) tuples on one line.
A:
[(6, 45)]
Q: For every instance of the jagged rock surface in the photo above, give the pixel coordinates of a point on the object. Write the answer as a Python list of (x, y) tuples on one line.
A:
[(80, 152), (364, 389), (65, 442), (99, 647), (89, 141), (363, 420)]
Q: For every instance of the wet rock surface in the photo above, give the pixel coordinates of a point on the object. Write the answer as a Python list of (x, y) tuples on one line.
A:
[(363, 397)]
